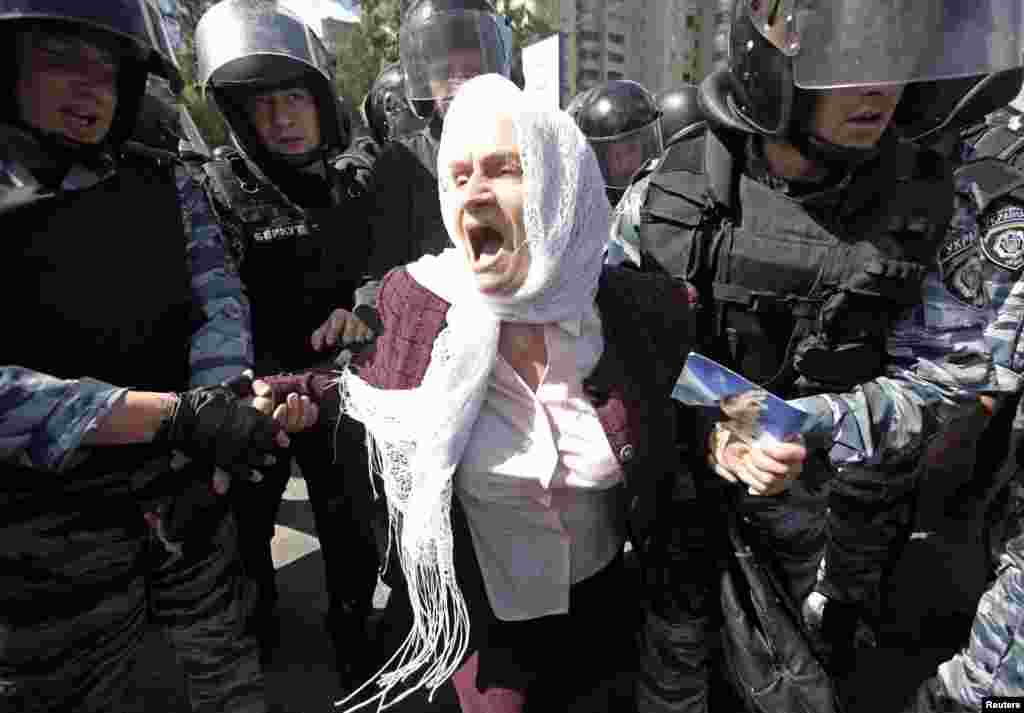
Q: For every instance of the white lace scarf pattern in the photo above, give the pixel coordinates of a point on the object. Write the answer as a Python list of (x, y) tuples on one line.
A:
[(416, 437)]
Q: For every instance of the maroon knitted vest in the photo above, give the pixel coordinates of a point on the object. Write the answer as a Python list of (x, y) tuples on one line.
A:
[(647, 326)]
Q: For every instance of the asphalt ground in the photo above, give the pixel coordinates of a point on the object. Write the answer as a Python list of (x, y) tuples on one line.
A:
[(935, 590)]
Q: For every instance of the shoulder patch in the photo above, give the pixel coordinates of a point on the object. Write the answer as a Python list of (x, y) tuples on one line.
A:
[(1002, 238)]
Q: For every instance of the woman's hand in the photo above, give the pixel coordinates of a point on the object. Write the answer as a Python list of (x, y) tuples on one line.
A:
[(296, 413), (343, 328), (765, 468)]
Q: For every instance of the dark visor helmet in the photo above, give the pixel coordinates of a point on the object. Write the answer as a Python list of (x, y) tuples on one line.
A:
[(622, 123), (444, 43), (778, 47), (133, 27), (681, 115), (385, 108), (244, 47)]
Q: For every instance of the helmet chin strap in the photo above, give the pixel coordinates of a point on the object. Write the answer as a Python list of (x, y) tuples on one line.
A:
[(299, 160), (61, 151), (835, 158)]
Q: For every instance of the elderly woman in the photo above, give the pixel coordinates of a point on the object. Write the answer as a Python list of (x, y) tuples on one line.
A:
[(518, 411)]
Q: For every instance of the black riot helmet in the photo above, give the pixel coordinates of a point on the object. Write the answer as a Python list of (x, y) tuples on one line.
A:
[(385, 108), (622, 123), (131, 28), (444, 43), (247, 47), (681, 115), (780, 51)]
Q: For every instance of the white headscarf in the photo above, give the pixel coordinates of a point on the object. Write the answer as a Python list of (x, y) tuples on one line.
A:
[(417, 436)]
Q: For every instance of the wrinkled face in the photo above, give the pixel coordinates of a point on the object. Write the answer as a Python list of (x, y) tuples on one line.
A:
[(66, 85), (855, 117), (488, 181), (461, 66), (286, 120)]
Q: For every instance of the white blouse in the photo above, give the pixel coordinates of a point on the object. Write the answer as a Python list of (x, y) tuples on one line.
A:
[(536, 480)]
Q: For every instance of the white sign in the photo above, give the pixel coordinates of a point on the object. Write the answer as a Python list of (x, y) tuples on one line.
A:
[(545, 68)]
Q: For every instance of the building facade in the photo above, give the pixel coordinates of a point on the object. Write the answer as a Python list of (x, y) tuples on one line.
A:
[(658, 43)]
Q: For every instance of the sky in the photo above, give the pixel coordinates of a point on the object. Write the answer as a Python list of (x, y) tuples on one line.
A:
[(313, 11)]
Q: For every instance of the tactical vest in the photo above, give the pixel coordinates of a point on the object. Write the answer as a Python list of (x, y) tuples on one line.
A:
[(98, 286), (997, 169), (798, 294), (297, 264), (986, 257)]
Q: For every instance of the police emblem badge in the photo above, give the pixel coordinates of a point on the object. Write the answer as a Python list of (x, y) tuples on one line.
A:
[(961, 266), (1003, 240)]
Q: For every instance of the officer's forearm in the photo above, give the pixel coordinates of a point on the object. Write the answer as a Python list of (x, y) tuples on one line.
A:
[(136, 418)]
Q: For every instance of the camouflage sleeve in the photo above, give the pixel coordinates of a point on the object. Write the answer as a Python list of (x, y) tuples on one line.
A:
[(931, 375), (1001, 243), (222, 342), (962, 341), (990, 665), (43, 419)]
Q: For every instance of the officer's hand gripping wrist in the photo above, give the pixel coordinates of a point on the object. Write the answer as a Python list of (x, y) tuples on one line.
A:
[(212, 424)]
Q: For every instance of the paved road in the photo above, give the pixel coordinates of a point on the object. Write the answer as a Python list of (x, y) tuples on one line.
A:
[(937, 585)]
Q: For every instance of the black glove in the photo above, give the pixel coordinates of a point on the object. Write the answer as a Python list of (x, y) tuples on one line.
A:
[(213, 425)]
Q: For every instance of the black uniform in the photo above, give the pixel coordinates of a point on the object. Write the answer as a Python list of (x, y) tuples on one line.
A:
[(797, 290), (299, 262), (405, 220), (83, 575)]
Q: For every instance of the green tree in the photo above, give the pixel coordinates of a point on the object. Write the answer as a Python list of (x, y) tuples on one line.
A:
[(527, 26), (364, 47), (207, 118)]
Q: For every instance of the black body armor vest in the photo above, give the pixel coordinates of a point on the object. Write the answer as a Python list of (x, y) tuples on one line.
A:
[(997, 169), (798, 294), (98, 286), (297, 264)]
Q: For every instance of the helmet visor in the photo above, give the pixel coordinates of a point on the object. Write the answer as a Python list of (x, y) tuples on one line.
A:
[(845, 43), (254, 41), (447, 49), (623, 155)]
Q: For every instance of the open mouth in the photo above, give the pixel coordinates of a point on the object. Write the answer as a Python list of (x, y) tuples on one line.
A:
[(79, 120), (867, 118), (484, 241)]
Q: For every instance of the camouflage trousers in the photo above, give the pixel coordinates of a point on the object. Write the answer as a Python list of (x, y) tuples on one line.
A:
[(992, 664), (74, 645)]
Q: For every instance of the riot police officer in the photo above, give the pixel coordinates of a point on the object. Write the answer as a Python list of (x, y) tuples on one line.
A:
[(622, 122), (385, 108), (974, 296), (681, 115), (292, 196), (94, 475), (807, 227), (979, 267), (682, 119), (442, 44)]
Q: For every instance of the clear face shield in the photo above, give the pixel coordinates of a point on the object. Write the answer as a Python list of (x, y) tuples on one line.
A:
[(831, 44), (246, 42), (447, 49), (623, 155)]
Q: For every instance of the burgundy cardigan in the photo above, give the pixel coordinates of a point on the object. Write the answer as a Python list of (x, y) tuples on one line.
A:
[(648, 326)]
